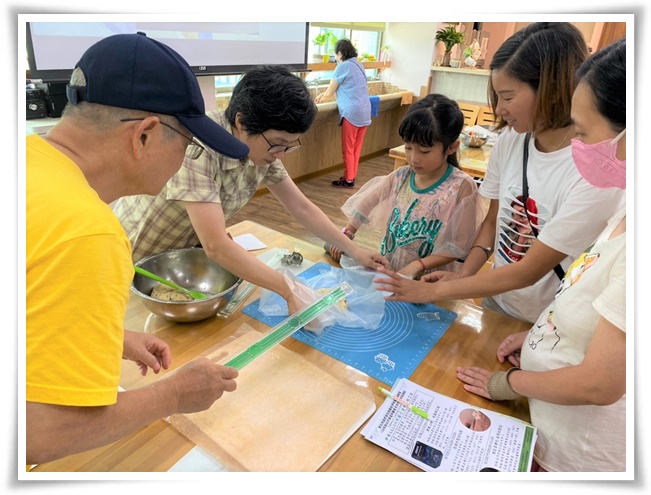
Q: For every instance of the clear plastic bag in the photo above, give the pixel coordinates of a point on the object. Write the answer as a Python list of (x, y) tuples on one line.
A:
[(364, 306)]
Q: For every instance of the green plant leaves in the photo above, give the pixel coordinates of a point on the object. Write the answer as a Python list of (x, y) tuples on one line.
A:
[(450, 37)]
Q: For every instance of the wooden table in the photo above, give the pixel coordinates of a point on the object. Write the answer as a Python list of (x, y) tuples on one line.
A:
[(471, 340), (473, 161)]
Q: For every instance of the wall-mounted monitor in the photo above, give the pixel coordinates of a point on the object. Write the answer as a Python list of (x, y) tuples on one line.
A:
[(211, 48)]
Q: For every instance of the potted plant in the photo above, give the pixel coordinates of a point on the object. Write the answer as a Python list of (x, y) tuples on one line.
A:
[(331, 42), (322, 42), (319, 42), (468, 60), (450, 37)]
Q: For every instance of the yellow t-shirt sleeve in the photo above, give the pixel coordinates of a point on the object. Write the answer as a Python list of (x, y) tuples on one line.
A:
[(76, 301)]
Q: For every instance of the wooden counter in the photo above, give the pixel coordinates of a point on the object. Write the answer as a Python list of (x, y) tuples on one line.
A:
[(321, 148), (380, 66), (471, 340)]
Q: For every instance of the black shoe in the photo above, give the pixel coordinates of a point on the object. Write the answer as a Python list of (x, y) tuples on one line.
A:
[(343, 183)]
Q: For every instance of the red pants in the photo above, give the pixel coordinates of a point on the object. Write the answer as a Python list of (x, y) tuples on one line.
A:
[(352, 138)]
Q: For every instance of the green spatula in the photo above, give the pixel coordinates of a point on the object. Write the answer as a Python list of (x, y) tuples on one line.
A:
[(190, 293)]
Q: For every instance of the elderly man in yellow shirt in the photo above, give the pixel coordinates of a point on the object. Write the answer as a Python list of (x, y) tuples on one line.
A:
[(134, 109)]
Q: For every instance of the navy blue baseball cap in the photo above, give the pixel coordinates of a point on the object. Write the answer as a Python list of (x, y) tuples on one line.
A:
[(136, 72)]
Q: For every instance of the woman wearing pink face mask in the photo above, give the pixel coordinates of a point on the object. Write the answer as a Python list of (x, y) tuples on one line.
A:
[(572, 363)]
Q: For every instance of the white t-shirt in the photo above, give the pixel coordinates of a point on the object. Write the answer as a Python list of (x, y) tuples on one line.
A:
[(568, 212), (580, 438)]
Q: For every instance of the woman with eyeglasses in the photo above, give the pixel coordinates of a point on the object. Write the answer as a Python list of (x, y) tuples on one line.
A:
[(572, 363), (269, 110)]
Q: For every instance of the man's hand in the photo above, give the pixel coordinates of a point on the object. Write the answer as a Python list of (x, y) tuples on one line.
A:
[(146, 351), (200, 383)]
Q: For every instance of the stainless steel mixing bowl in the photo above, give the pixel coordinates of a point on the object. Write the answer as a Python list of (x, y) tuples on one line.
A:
[(474, 141), (192, 269)]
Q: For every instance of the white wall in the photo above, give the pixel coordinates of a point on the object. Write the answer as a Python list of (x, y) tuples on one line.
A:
[(411, 54), (413, 48)]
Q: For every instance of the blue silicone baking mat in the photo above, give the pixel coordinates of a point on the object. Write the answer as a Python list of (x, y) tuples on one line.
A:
[(394, 350)]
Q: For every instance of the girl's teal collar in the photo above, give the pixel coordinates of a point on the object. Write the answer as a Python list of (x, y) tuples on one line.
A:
[(445, 176)]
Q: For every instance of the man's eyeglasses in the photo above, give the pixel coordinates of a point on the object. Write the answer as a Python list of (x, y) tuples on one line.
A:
[(278, 148), (192, 151)]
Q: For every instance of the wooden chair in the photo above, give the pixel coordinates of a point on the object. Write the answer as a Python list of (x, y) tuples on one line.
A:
[(399, 156), (486, 116), (470, 112)]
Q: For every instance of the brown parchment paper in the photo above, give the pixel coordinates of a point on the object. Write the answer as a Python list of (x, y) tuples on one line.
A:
[(287, 414)]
